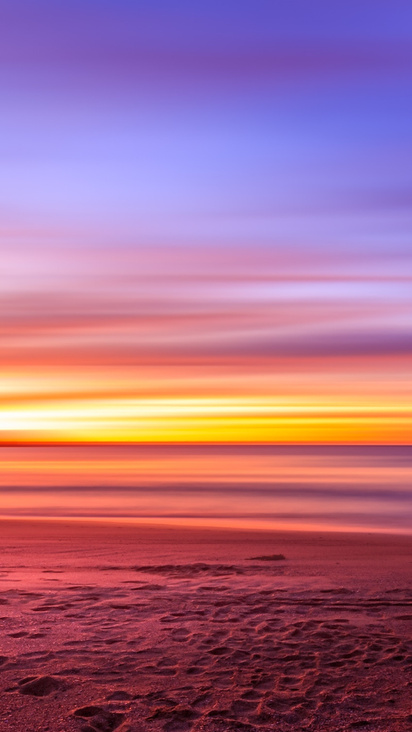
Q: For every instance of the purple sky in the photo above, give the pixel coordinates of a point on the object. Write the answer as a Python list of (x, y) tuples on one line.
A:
[(272, 123)]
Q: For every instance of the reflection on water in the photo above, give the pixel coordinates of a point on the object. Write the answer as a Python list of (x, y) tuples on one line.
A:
[(239, 485)]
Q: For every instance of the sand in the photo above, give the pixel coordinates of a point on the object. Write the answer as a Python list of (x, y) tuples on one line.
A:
[(136, 628)]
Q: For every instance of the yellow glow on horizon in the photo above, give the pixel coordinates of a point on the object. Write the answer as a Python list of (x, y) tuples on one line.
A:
[(215, 419)]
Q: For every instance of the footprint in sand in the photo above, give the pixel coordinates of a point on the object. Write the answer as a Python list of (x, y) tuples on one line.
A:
[(38, 685), (19, 634), (119, 696), (176, 717), (100, 719), (243, 706)]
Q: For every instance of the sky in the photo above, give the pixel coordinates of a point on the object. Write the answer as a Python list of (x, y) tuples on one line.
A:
[(205, 221)]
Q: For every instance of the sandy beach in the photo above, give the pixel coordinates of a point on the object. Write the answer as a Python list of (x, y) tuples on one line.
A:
[(110, 626)]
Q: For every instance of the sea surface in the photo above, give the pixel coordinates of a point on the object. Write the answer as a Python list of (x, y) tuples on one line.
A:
[(305, 487)]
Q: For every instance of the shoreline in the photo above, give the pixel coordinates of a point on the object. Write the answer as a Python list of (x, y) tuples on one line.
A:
[(200, 525)]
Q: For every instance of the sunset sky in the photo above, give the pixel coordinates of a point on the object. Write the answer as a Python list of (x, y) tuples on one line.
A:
[(206, 221)]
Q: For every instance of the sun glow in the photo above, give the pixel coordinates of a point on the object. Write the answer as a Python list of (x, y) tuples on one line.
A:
[(203, 419)]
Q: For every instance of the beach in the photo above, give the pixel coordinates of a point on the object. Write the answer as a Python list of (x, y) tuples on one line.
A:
[(136, 627)]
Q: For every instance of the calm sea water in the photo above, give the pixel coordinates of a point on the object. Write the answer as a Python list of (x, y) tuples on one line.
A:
[(326, 487)]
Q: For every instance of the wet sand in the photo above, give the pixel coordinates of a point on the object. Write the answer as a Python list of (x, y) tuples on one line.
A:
[(136, 628)]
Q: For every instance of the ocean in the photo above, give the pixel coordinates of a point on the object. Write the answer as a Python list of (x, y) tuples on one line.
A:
[(325, 487)]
